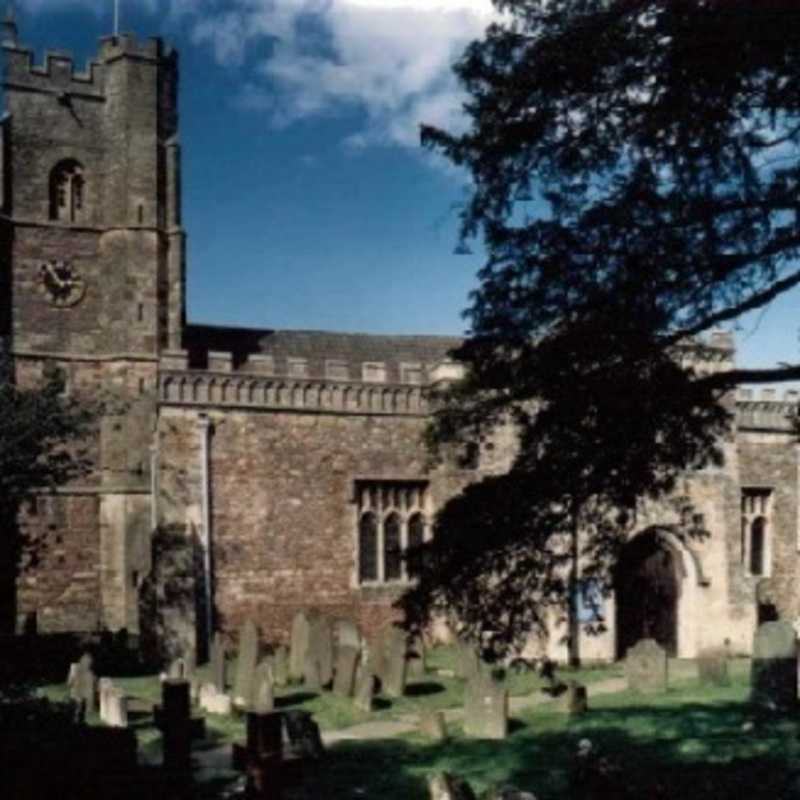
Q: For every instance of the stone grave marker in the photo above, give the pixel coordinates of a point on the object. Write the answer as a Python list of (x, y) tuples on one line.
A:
[(646, 667), (364, 693), (469, 661), (176, 724), (104, 686), (281, 665), (83, 685), (573, 700), (432, 724), (298, 646), (415, 656), (393, 678), (263, 697), (246, 661), (179, 669), (116, 708), (712, 667), (217, 658), (213, 701), (312, 680), (485, 708), (303, 733), (773, 676), (345, 675), (346, 634), (320, 645)]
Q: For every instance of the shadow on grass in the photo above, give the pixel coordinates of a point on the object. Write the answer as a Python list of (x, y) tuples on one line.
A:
[(295, 699), (690, 751), (423, 689)]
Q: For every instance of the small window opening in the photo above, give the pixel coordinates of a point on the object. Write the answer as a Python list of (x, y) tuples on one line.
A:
[(67, 191)]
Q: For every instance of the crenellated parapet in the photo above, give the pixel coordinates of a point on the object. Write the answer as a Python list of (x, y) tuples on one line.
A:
[(765, 410)]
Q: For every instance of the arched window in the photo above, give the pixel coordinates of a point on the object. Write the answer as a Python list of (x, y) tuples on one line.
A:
[(758, 531), (392, 558), (67, 191), (367, 548), (416, 536)]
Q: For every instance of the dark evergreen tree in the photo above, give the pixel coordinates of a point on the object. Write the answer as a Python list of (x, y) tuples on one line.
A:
[(635, 172)]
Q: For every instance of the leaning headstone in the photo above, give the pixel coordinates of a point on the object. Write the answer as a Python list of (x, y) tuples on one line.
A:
[(773, 677), (246, 661), (311, 674), (393, 678), (320, 645), (712, 667), (281, 666), (444, 786), (364, 693), (213, 701), (345, 675), (104, 686), (346, 634), (299, 646), (432, 725), (485, 708), (218, 662), (263, 697), (176, 724), (573, 700), (83, 688), (116, 708), (646, 667)]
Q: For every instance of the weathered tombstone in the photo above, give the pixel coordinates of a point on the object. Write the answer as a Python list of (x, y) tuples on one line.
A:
[(444, 786), (213, 701), (83, 687), (263, 697), (346, 634), (773, 677), (375, 653), (415, 655), (281, 666), (432, 724), (261, 757), (712, 667), (311, 673), (179, 670), (116, 708), (364, 693), (246, 661), (345, 675), (299, 646), (646, 667), (217, 658), (176, 724), (104, 686), (320, 645), (393, 678), (573, 700), (485, 708), (469, 661), (303, 734)]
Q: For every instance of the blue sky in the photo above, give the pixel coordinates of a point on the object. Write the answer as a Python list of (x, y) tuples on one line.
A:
[(307, 199)]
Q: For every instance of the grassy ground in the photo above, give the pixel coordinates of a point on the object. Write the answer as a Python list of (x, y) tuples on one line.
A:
[(692, 743)]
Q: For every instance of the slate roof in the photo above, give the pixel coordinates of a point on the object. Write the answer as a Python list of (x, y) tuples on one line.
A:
[(317, 347)]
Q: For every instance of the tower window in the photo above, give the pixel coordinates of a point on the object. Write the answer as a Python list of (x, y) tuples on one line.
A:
[(756, 516), (67, 191)]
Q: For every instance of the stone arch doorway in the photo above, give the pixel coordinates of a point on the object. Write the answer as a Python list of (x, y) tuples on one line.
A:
[(647, 589)]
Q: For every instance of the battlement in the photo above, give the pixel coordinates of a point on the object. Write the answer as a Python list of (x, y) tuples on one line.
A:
[(764, 410), (58, 72)]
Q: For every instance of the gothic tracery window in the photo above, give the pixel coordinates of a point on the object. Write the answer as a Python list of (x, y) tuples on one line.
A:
[(756, 513), (391, 519), (67, 191)]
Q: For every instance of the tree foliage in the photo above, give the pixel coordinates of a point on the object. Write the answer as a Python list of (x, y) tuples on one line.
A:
[(635, 172)]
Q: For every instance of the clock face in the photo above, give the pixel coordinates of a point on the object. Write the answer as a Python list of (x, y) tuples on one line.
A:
[(61, 283)]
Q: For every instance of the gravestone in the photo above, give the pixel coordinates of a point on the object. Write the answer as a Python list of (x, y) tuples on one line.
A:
[(263, 697), (217, 658), (773, 676), (485, 708), (573, 700), (444, 786), (246, 661), (83, 685), (712, 667), (116, 708), (104, 686), (346, 634), (415, 655), (180, 669), (364, 693), (432, 724), (311, 679), (345, 675), (320, 645), (176, 724), (303, 733), (212, 701), (281, 666), (469, 661), (646, 667), (393, 677), (298, 646)]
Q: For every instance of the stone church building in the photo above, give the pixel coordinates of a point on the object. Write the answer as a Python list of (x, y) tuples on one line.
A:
[(251, 473)]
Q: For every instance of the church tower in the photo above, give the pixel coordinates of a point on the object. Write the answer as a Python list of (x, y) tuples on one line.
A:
[(92, 253)]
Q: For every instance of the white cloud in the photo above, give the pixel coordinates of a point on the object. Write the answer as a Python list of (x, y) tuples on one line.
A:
[(391, 59)]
